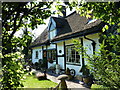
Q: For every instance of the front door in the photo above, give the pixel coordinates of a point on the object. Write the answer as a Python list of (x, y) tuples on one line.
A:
[(45, 65)]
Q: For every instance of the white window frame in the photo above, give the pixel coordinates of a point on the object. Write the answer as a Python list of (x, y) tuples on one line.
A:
[(69, 55), (50, 54)]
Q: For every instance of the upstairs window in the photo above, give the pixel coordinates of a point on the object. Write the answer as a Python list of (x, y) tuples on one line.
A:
[(72, 56), (36, 54), (52, 33)]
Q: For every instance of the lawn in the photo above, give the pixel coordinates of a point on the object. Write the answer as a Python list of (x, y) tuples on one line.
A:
[(32, 82)]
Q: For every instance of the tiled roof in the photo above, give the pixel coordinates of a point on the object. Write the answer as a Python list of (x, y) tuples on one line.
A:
[(41, 39), (87, 29), (72, 25)]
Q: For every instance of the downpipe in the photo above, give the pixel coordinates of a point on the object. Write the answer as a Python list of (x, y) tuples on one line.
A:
[(93, 43)]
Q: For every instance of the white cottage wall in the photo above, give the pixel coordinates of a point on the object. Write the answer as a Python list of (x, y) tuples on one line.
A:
[(70, 66), (88, 44), (39, 49), (60, 46)]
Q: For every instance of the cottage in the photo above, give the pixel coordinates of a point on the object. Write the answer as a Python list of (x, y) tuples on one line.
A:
[(56, 41)]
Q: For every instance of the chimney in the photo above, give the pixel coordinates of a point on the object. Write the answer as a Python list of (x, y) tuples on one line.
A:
[(63, 11)]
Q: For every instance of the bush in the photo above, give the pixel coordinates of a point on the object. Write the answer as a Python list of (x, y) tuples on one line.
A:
[(13, 71), (105, 65), (99, 87)]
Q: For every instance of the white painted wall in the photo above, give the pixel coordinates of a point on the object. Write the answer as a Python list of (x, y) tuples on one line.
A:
[(52, 46), (51, 24), (88, 44), (60, 46), (40, 53), (49, 64), (70, 66), (76, 68), (52, 29)]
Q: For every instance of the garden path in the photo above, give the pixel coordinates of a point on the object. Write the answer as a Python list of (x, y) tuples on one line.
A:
[(70, 84)]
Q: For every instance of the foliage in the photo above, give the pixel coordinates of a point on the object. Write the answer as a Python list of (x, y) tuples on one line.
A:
[(105, 65), (16, 16), (96, 87), (12, 71), (106, 11), (26, 39)]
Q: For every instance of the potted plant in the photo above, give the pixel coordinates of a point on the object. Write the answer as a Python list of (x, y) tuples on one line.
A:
[(68, 73), (86, 73), (50, 60)]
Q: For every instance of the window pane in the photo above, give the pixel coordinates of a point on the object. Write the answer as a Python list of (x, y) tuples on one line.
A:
[(51, 54), (36, 54), (72, 56)]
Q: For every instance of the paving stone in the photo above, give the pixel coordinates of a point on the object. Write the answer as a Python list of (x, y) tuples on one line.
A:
[(70, 84)]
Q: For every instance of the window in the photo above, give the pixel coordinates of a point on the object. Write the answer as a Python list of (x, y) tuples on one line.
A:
[(52, 33), (51, 54), (36, 54), (72, 56)]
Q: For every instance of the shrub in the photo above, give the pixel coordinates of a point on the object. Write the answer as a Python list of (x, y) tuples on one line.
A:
[(105, 64), (13, 71)]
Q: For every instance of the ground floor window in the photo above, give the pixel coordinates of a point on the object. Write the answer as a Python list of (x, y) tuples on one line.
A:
[(36, 54), (72, 56), (51, 54)]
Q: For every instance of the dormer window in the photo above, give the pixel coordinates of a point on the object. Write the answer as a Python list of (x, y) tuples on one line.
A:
[(52, 33), (52, 28)]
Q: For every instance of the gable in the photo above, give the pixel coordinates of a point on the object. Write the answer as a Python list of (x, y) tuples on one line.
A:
[(51, 25)]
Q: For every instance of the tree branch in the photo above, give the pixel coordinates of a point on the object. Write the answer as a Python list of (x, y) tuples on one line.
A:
[(25, 13), (8, 15)]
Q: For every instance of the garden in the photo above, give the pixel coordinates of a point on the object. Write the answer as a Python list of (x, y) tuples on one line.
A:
[(32, 82), (105, 65)]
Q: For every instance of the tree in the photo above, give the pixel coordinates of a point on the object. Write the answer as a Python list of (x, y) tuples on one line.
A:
[(14, 17), (105, 65)]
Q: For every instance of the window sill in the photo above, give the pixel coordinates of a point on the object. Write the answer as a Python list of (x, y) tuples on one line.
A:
[(73, 64)]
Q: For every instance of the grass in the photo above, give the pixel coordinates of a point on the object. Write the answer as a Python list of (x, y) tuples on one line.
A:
[(32, 82), (99, 87)]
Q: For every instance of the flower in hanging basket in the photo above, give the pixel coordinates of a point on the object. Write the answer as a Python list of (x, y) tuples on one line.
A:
[(50, 60)]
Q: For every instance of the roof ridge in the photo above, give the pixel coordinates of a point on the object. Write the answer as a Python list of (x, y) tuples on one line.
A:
[(70, 14)]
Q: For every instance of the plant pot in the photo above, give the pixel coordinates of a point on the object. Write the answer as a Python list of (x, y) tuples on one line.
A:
[(79, 77), (86, 80), (51, 61)]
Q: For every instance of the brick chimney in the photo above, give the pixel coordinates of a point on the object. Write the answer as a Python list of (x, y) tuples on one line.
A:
[(63, 11)]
